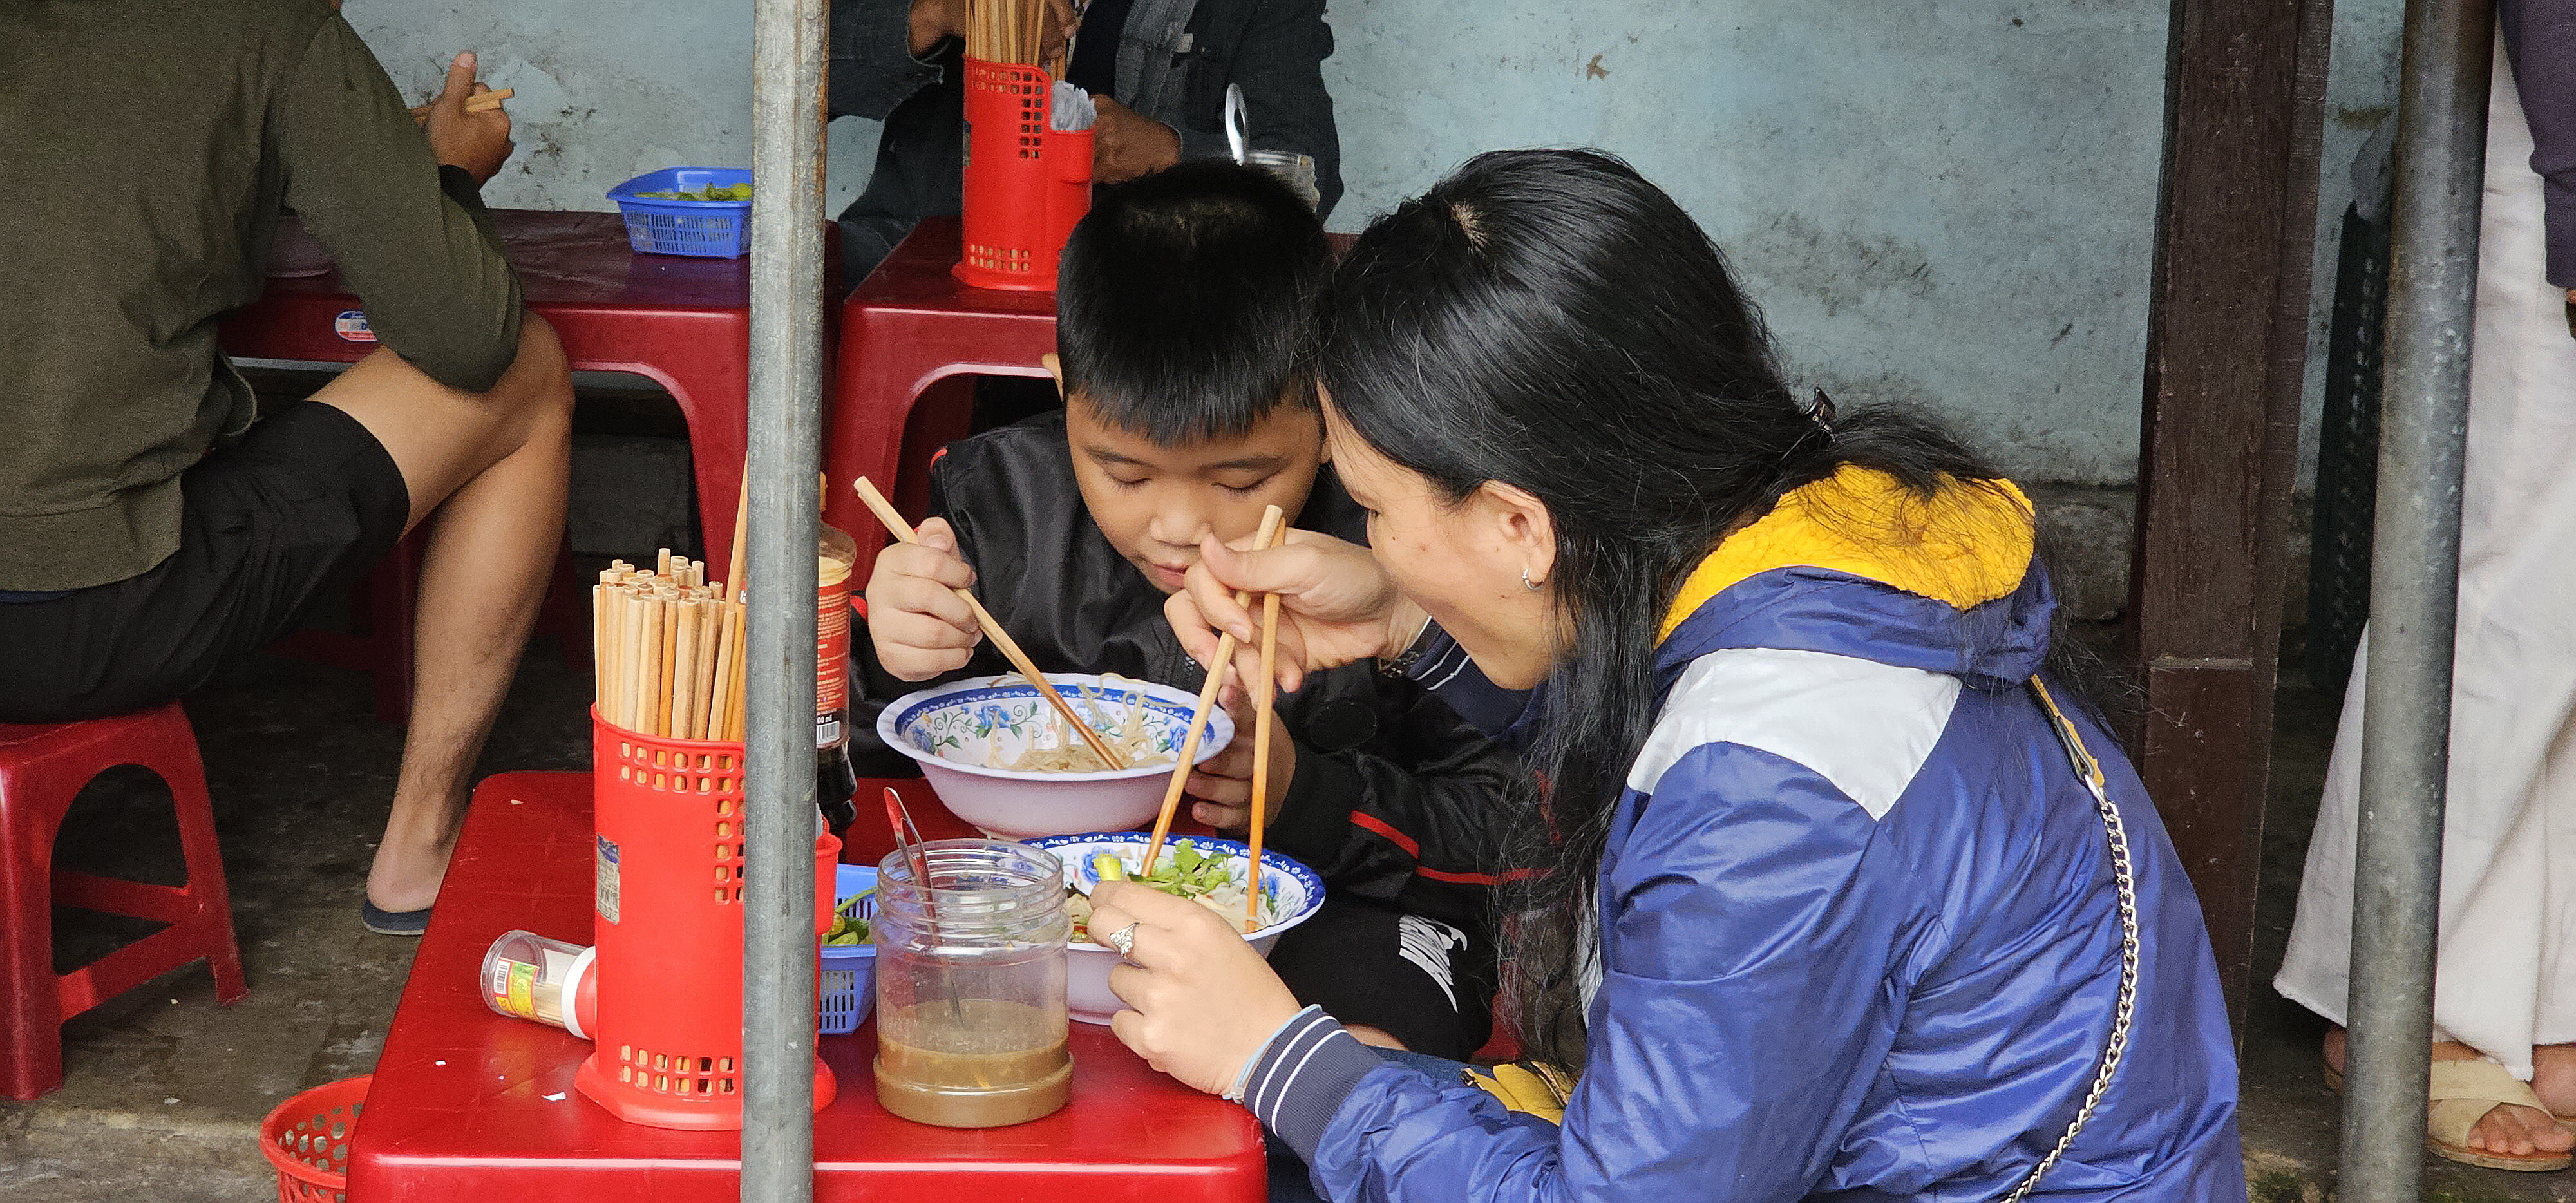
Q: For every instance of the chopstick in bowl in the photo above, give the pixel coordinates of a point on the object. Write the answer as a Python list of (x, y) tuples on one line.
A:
[(1263, 694), (1020, 661)]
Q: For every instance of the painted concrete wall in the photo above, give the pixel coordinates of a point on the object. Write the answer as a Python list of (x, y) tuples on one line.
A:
[(1938, 201)]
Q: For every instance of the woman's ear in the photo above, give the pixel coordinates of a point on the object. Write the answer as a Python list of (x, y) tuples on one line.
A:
[(1524, 528)]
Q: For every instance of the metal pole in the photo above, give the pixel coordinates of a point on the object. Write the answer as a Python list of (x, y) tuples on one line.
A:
[(787, 46), (2414, 597)]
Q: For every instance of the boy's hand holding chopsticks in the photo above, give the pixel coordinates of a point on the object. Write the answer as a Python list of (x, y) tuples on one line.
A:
[(1010, 648), (920, 627)]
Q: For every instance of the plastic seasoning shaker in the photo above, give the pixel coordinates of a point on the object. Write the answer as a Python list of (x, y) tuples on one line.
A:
[(527, 976)]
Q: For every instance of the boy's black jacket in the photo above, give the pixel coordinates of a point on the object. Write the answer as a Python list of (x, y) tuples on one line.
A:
[(1395, 797)]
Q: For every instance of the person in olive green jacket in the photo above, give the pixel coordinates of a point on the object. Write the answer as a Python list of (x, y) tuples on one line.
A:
[(150, 533)]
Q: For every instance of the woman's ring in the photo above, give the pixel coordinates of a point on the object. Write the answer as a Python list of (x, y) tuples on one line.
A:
[(1124, 939)]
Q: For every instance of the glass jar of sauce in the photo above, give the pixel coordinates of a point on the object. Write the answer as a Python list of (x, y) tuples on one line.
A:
[(970, 988)]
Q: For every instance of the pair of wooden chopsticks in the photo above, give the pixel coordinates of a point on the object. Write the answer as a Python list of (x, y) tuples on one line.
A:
[(1274, 531), (1020, 661), (483, 103)]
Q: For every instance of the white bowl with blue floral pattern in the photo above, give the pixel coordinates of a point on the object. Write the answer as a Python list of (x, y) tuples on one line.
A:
[(1293, 893), (960, 731)]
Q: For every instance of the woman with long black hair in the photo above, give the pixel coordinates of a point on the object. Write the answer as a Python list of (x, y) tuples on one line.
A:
[(1844, 902)]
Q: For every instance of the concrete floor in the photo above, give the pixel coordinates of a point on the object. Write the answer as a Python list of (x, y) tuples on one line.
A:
[(165, 1090)]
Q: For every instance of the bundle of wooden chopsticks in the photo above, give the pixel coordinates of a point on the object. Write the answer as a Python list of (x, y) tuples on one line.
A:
[(1010, 31), (1274, 531), (668, 650)]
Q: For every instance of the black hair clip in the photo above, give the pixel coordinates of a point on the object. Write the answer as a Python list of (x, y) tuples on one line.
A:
[(1822, 411)]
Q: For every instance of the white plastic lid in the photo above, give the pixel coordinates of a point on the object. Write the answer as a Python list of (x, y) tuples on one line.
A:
[(572, 991)]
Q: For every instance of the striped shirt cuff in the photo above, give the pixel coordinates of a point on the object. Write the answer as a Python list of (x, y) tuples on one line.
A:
[(1300, 1080)]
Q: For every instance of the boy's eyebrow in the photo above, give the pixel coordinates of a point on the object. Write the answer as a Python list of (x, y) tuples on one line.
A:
[(1242, 463), (1249, 463), (1107, 456)]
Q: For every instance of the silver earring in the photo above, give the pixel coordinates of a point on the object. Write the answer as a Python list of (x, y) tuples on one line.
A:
[(1527, 583)]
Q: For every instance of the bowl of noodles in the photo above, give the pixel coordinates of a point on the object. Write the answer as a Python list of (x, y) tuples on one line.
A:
[(1001, 758), (1215, 873)]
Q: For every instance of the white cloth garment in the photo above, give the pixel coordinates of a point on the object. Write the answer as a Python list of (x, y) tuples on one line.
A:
[(2506, 974)]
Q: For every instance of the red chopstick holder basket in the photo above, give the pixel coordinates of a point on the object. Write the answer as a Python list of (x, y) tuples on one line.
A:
[(1026, 184), (668, 894)]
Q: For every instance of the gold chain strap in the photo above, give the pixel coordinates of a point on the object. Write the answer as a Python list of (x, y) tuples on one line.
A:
[(2125, 879)]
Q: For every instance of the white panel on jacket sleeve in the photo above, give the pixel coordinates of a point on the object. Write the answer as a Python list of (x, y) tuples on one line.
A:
[(1864, 726)]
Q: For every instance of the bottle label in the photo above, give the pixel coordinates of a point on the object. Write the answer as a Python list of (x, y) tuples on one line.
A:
[(514, 985), (831, 656), (605, 895)]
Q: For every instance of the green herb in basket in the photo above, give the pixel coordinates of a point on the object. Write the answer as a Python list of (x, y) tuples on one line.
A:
[(712, 192), (848, 926)]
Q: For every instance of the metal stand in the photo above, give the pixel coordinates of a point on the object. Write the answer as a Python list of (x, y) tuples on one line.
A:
[(2414, 597), (787, 115)]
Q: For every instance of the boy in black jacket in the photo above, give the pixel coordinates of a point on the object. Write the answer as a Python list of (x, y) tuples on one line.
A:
[(1183, 304)]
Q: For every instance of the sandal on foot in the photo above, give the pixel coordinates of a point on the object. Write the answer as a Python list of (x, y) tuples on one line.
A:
[(2334, 1083), (393, 923), (2463, 1093)]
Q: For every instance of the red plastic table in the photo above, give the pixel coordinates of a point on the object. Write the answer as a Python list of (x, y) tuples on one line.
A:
[(684, 323), (467, 1104)]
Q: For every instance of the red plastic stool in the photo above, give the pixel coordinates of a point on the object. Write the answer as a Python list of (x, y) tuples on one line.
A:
[(42, 768)]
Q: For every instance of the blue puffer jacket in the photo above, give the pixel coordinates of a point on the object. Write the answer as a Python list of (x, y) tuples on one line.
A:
[(1859, 935)]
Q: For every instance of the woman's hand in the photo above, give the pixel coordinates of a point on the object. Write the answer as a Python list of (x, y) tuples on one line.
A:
[(1336, 606), (1204, 1002)]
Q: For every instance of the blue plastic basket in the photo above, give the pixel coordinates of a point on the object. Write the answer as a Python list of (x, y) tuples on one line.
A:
[(705, 229), (850, 971)]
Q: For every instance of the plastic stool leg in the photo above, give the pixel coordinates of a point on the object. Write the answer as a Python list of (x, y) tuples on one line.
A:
[(179, 765), (565, 613), (393, 592), (31, 1039)]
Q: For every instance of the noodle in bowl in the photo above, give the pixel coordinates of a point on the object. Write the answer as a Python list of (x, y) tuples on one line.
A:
[(1291, 893), (987, 745)]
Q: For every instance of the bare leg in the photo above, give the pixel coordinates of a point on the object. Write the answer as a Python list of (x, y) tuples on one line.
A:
[(488, 472), (2553, 1076)]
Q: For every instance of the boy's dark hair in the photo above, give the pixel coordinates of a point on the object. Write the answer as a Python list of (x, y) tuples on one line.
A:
[(1184, 301)]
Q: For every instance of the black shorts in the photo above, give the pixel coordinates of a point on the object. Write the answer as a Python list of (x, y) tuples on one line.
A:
[(1419, 980), (271, 525)]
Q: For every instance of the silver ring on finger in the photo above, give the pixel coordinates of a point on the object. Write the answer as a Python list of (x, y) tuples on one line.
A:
[(1124, 939)]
